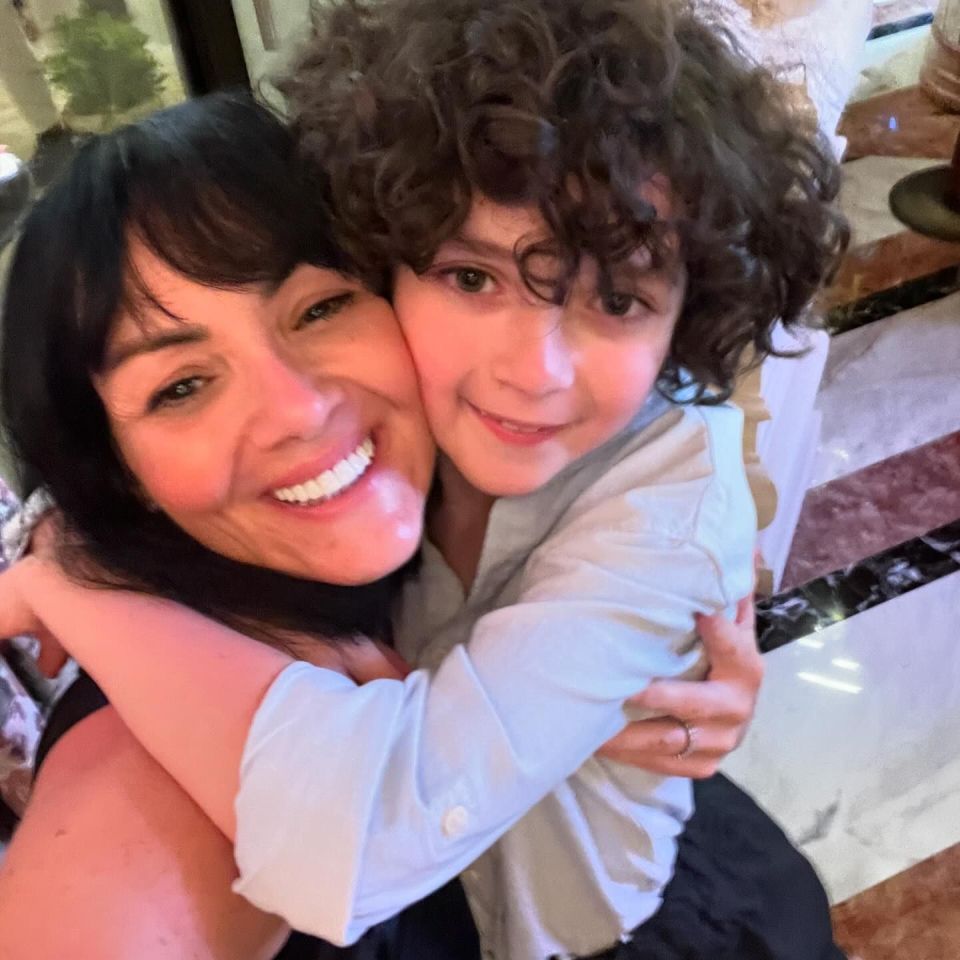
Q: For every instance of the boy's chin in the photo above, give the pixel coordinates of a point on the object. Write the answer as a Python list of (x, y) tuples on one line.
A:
[(513, 482)]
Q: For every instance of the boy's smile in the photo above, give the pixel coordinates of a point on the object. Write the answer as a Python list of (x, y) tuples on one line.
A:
[(513, 431), (516, 387)]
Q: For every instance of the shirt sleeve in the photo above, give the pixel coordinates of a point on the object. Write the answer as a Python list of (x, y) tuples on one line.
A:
[(357, 801)]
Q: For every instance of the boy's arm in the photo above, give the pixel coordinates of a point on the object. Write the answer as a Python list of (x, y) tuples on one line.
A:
[(355, 802), (606, 604)]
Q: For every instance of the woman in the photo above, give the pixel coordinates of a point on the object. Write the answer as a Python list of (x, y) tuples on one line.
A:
[(366, 376), (224, 249)]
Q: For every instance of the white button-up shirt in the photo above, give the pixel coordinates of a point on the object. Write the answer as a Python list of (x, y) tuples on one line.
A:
[(357, 801)]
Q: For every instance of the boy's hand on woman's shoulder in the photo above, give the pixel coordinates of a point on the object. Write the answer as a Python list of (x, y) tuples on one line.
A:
[(701, 720)]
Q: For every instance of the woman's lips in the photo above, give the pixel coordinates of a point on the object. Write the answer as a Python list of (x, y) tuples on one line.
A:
[(331, 481)]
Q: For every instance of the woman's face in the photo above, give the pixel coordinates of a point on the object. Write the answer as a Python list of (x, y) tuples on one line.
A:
[(281, 427)]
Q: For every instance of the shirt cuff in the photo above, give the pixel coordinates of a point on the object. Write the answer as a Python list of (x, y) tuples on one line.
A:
[(311, 884)]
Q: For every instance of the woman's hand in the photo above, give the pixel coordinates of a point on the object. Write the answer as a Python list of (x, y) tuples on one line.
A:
[(717, 710), (373, 660), (360, 660), (17, 615)]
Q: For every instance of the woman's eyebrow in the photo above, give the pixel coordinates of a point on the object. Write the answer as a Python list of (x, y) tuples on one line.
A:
[(152, 343)]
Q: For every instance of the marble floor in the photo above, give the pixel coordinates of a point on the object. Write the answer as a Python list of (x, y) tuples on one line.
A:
[(899, 374), (855, 746)]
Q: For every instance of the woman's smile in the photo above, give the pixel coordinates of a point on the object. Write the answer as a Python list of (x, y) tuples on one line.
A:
[(309, 487)]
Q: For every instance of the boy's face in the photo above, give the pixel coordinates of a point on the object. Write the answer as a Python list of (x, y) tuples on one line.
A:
[(516, 388)]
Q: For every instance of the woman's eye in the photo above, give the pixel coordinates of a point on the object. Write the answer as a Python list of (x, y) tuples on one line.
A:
[(176, 393), (471, 280), (325, 309)]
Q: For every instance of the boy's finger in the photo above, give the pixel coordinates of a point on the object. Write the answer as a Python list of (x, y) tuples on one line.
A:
[(659, 736), (731, 646), (654, 744), (746, 615)]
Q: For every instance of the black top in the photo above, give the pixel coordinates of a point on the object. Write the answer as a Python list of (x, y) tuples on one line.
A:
[(83, 698), (438, 928)]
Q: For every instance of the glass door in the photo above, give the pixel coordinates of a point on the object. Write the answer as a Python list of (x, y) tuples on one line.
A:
[(268, 30), (74, 66)]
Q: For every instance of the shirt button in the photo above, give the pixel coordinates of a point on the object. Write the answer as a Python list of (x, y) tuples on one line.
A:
[(454, 821)]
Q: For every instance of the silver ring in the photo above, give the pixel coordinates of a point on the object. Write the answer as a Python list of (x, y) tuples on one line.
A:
[(691, 731)]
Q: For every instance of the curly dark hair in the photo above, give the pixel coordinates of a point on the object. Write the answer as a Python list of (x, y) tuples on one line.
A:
[(413, 107)]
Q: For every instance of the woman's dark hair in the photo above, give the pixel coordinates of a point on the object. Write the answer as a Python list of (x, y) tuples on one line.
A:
[(215, 189), (415, 107)]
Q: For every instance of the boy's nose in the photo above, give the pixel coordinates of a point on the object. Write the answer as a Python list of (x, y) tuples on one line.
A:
[(289, 404), (537, 358)]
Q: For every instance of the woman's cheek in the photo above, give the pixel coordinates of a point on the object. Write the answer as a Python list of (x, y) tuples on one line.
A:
[(184, 476)]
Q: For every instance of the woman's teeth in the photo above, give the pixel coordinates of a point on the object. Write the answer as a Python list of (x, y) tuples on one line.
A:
[(331, 482)]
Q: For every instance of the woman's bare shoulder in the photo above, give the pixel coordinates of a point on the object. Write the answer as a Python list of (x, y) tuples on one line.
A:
[(113, 860)]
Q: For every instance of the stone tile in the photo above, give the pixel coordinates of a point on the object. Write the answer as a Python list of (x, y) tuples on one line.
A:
[(900, 123), (895, 11), (889, 387), (912, 916), (884, 253), (854, 745), (874, 509), (857, 587), (898, 10)]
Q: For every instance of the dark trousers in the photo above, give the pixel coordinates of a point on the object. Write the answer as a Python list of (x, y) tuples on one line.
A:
[(439, 927), (740, 891)]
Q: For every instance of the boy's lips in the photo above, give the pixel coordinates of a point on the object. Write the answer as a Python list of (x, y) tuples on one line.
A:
[(516, 432)]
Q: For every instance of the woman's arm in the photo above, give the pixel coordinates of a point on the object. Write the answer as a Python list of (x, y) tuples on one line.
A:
[(137, 648), (114, 861)]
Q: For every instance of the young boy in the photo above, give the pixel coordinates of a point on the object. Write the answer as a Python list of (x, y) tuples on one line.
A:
[(584, 202)]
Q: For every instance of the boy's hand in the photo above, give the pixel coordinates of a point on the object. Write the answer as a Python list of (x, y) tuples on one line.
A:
[(718, 710)]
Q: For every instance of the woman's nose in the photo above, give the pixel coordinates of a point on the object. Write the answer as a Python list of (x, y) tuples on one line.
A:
[(290, 404)]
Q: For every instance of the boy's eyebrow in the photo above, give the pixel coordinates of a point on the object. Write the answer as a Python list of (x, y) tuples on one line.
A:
[(628, 271), (631, 272), (152, 343), (478, 246)]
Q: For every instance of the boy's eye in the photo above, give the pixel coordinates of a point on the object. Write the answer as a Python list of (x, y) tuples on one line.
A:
[(176, 393), (623, 305), (325, 309), (471, 280)]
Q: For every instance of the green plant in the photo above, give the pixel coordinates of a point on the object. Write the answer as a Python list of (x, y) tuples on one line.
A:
[(103, 64)]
